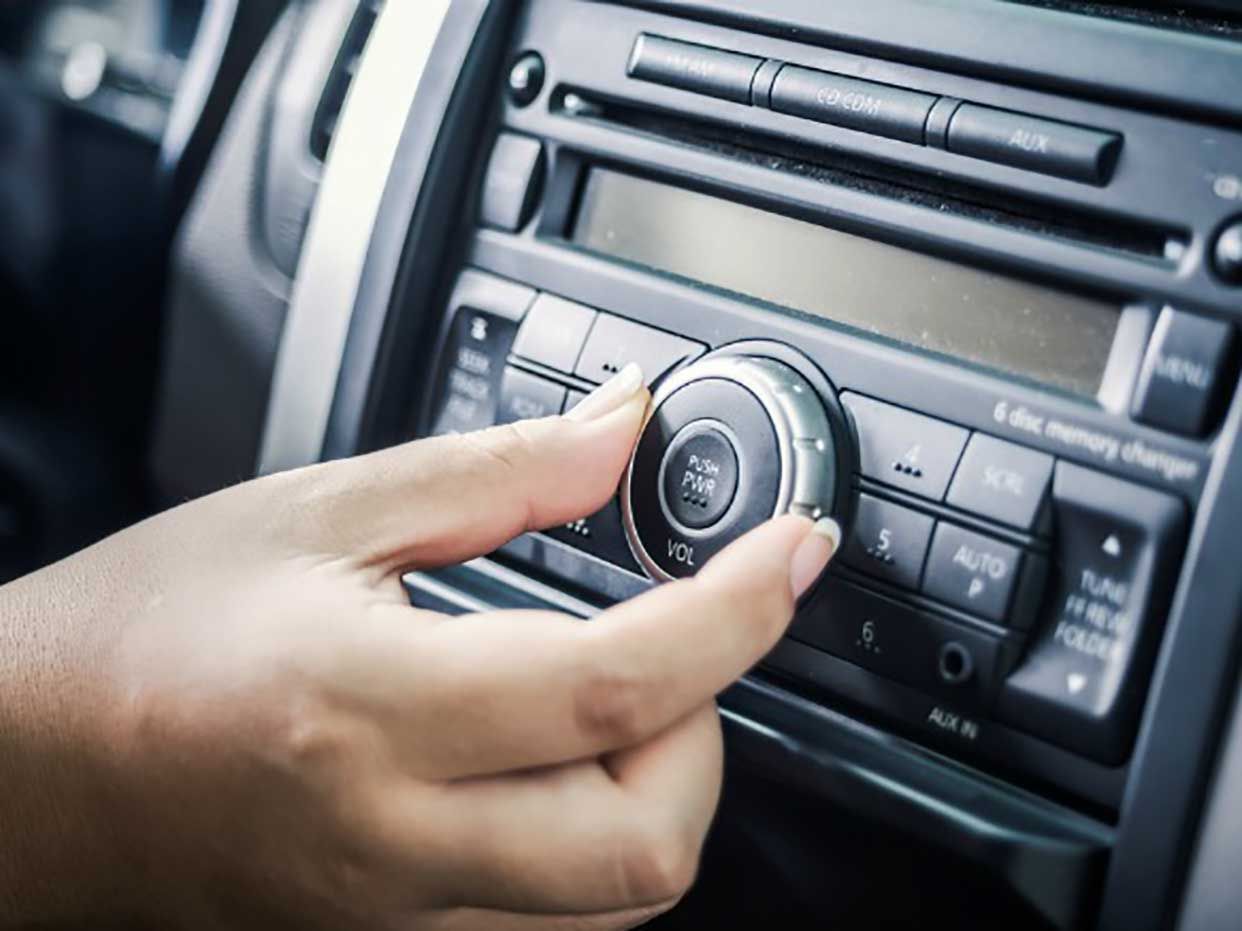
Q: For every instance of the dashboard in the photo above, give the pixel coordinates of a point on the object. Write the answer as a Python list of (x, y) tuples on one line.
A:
[(966, 276)]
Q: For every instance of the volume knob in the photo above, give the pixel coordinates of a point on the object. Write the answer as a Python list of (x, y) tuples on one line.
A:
[(743, 435)]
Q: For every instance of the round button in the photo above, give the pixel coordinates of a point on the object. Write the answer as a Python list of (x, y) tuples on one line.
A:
[(526, 79), (699, 475), (1228, 253), (744, 434)]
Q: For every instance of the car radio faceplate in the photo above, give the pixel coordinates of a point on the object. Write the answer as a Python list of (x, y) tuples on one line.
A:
[(1022, 391)]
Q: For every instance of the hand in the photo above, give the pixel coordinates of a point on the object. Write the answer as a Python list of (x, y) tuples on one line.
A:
[(230, 716)]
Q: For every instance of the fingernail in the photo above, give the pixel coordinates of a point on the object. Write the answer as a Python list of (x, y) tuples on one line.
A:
[(813, 554), (610, 395)]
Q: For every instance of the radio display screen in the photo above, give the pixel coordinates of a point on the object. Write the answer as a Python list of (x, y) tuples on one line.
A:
[(996, 321)]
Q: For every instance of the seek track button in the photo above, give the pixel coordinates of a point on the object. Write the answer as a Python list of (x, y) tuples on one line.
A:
[(1082, 682)]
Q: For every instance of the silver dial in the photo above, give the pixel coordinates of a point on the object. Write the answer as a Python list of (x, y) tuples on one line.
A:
[(771, 452)]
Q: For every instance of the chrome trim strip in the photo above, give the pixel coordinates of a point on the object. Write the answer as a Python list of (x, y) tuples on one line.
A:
[(339, 236)]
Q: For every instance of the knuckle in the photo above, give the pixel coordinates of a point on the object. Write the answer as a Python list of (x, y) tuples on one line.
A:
[(609, 705), (308, 739), (660, 866), (511, 446)]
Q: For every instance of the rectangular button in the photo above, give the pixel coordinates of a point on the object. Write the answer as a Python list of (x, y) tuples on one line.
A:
[(904, 449), (1179, 386), (1077, 153), (528, 397), (554, 332), (862, 105), (972, 572), (1001, 481), (1082, 682), (602, 535), (471, 369), (511, 182), (697, 68), (572, 399), (614, 343), (889, 541), (901, 643)]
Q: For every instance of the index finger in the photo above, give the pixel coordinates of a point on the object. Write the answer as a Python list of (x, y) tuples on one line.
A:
[(523, 689)]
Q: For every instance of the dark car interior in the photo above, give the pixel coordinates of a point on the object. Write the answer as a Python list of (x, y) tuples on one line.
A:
[(965, 273)]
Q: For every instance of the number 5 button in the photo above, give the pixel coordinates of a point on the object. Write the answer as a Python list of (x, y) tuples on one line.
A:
[(889, 542)]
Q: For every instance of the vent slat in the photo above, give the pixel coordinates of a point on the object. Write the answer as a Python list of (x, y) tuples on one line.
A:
[(344, 70)]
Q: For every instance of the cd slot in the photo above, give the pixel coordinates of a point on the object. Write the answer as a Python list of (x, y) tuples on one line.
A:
[(1158, 246)]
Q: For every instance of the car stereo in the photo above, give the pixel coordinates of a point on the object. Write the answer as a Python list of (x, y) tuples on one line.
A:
[(980, 324)]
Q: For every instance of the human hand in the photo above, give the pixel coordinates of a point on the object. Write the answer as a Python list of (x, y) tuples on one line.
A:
[(230, 716)]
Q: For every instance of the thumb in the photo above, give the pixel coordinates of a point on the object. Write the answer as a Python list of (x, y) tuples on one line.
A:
[(446, 499)]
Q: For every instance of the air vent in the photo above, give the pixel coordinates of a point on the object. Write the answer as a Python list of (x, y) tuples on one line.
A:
[(1217, 18), (342, 76)]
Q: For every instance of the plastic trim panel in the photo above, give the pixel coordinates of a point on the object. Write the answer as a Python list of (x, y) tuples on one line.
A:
[(339, 238)]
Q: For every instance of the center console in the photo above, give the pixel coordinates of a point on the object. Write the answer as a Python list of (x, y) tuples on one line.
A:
[(1015, 437), (981, 310)]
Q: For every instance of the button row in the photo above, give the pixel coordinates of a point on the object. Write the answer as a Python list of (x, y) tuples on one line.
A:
[(1051, 147), (581, 341), (980, 474), (968, 570)]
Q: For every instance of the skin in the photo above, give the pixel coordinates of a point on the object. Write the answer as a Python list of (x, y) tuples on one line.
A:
[(230, 717)]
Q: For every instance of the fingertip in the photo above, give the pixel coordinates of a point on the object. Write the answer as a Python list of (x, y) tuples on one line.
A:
[(607, 439), (772, 566), (626, 417), (772, 542), (617, 392), (813, 554)]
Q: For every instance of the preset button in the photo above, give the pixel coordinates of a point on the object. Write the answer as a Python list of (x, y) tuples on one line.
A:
[(903, 449), (889, 541), (614, 343)]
